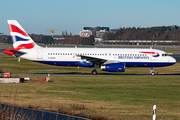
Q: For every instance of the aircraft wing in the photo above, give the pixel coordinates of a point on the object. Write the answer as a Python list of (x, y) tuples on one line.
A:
[(94, 60)]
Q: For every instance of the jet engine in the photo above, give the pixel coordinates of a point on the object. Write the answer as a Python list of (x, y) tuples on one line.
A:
[(113, 67)]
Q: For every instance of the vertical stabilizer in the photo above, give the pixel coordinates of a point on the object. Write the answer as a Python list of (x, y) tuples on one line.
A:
[(20, 39)]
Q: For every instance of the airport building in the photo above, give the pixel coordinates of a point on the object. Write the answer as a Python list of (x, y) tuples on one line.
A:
[(95, 29), (97, 32), (100, 33), (85, 33), (140, 42)]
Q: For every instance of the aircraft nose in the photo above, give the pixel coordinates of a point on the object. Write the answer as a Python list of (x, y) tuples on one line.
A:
[(173, 60)]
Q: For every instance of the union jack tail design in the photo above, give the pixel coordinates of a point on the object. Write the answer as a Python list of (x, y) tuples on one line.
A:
[(20, 39)]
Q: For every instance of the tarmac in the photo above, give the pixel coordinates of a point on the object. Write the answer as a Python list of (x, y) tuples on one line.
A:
[(89, 74)]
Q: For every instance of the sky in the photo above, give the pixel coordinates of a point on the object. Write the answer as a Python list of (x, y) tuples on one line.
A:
[(35, 16)]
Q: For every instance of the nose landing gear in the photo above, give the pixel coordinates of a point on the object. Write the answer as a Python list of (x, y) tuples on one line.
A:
[(152, 71)]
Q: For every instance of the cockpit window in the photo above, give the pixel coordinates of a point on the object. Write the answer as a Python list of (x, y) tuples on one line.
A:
[(165, 54)]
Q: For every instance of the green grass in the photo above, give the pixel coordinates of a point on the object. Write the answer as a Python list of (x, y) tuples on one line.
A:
[(96, 97), (118, 97)]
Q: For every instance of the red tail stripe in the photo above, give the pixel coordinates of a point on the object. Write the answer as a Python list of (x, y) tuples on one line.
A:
[(25, 46), (22, 46), (16, 29)]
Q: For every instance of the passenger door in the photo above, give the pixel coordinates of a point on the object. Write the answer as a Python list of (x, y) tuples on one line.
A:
[(39, 53)]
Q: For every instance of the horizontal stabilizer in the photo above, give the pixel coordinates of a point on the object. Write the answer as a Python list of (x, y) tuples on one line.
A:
[(14, 52)]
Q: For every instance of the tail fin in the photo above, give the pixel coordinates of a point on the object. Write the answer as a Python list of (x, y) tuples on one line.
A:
[(20, 39)]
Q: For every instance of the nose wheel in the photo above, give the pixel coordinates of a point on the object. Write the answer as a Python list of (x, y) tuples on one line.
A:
[(152, 71)]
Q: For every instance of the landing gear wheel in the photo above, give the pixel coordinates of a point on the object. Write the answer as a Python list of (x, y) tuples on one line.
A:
[(94, 72), (152, 73)]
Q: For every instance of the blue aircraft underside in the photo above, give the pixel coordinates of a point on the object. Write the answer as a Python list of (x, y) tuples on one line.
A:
[(127, 64), (148, 64)]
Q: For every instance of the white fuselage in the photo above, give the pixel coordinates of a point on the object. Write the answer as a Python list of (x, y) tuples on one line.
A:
[(71, 56), (109, 59)]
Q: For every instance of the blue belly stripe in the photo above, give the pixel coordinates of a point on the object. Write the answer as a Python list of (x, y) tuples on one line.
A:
[(128, 64)]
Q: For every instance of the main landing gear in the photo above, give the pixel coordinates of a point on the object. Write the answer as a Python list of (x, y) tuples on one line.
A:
[(94, 72), (152, 71)]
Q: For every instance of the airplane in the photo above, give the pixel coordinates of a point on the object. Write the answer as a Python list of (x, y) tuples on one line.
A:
[(108, 59)]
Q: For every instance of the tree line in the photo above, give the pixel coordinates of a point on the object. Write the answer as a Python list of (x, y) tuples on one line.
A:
[(44, 39), (152, 33), (69, 40), (88, 40)]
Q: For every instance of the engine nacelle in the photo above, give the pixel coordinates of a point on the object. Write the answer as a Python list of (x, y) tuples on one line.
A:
[(113, 67)]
